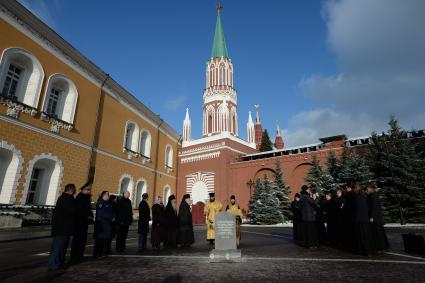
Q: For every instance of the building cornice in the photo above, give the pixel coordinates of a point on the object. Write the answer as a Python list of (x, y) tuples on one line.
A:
[(223, 135)]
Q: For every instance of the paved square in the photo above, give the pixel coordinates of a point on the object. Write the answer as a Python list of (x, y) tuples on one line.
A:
[(269, 255)]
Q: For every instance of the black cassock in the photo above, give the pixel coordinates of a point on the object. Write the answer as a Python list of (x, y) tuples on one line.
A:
[(330, 210), (363, 243), (308, 228), (84, 218), (296, 218), (348, 222), (172, 226), (186, 236), (377, 230), (158, 227)]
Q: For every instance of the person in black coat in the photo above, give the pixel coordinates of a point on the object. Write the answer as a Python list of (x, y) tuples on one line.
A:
[(123, 220), (63, 225), (296, 216), (186, 236), (172, 222), (84, 217), (320, 217), (339, 203), (308, 204), (348, 217), (158, 226), (362, 236), (143, 224), (330, 210), (376, 221), (103, 225), (113, 203)]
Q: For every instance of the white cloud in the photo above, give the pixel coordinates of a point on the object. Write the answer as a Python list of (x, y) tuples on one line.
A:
[(176, 103), (379, 46)]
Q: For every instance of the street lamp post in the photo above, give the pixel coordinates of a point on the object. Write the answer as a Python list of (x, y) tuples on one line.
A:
[(250, 183)]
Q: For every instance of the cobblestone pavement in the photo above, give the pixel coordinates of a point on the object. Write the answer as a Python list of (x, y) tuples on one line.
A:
[(269, 255)]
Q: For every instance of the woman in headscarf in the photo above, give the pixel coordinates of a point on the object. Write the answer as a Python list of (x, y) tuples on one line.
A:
[(186, 236), (157, 225), (172, 222), (102, 225)]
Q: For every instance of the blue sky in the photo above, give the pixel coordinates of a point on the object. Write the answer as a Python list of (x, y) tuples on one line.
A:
[(319, 67)]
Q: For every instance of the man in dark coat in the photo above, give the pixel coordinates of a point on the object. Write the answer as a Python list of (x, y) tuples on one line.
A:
[(308, 204), (339, 203), (123, 220), (296, 216), (113, 203), (320, 217), (376, 221), (84, 217), (186, 236), (158, 226), (348, 216), (362, 236), (330, 209), (172, 222), (144, 218), (63, 224), (103, 225)]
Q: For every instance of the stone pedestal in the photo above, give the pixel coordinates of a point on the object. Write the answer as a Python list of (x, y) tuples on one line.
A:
[(225, 239)]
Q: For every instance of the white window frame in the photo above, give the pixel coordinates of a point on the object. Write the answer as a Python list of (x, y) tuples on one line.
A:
[(29, 88), (67, 103)]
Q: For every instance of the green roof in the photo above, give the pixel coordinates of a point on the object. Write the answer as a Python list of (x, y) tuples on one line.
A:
[(219, 45)]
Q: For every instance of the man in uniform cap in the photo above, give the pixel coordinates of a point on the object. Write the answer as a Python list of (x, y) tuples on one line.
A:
[(210, 210)]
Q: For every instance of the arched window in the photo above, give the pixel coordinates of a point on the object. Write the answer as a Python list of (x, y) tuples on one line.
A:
[(166, 194), (234, 121), (169, 156), (131, 136), (21, 76), (60, 100), (141, 188), (126, 184), (43, 181), (145, 143), (10, 168)]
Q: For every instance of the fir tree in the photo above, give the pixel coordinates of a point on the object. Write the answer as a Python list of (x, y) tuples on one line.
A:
[(264, 207), (399, 171), (333, 168), (282, 192), (266, 144), (317, 178), (354, 169), (258, 190)]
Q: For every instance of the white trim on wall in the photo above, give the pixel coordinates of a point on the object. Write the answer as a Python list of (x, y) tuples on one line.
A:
[(76, 143), (13, 173), (55, 185)]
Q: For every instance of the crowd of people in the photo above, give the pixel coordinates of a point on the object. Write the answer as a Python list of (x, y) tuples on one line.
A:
[(114, 215), (350, 220)]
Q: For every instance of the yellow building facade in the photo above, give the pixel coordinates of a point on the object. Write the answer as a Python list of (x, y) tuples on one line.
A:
[(64, 120)]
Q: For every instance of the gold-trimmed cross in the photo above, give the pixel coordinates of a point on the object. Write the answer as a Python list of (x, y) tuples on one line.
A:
[(219, 7)]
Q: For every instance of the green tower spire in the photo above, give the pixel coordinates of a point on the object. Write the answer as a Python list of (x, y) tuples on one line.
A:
[(219, 45)]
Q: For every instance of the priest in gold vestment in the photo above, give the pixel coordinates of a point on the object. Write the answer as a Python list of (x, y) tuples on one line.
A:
[(234, 209), (210, 210)]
